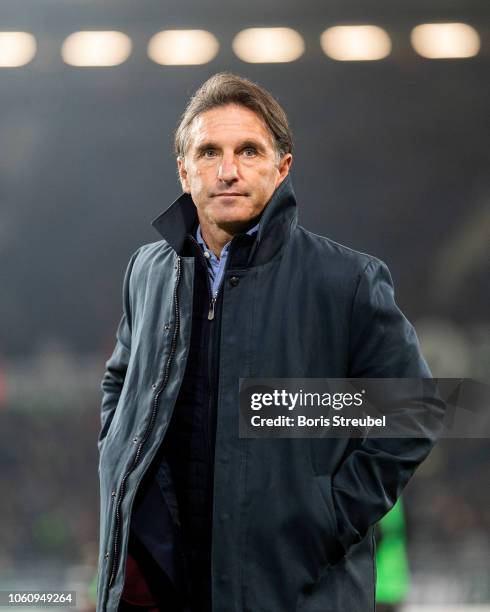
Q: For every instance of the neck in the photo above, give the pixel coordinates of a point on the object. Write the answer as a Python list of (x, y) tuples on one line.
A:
[(217, 236), (215, 239)]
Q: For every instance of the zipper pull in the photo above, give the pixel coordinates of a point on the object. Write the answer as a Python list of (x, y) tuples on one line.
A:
[(211, 310)]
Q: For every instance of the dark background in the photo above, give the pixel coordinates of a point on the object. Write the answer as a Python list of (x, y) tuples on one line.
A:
[(391, 158)]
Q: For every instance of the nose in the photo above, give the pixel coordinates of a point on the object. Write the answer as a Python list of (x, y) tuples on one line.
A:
[(228, 171)]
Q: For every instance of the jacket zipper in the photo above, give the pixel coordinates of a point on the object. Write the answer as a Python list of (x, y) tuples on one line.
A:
[(211, 307), (212, 340), (151, 423), (212, 303), (213, 358)]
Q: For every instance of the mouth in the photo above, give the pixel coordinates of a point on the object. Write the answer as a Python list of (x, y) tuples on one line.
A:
[(228, 194)]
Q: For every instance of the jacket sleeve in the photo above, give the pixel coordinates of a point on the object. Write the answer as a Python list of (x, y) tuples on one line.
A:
[(116, 366), (383, 344)]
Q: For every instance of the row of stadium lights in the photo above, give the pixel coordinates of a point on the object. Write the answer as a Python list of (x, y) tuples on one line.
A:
[(253, 45)]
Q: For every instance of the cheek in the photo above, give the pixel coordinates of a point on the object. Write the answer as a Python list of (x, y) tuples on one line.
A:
[(195, 180), (268, 175), (200, 176), (267, 182)]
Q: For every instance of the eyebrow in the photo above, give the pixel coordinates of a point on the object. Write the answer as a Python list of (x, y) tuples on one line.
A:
[(209, 144)]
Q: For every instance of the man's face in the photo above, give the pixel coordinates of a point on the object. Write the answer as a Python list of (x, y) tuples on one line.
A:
[(231, 168)]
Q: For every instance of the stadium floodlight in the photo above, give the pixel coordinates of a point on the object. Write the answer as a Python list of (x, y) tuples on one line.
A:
[(16, 49), (445, 40), (96, 48), (268, 45), (183, 47), (355, 43)]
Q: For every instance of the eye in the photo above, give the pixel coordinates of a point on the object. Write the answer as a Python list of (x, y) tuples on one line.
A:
[(209, 153), (250, 151)]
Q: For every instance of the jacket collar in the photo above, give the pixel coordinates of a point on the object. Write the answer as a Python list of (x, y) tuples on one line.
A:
[(277, 221)]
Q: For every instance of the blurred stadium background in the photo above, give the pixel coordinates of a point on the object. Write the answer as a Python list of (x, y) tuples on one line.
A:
[(391, 125)]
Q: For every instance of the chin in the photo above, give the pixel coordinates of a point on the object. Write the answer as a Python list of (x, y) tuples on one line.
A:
[(235, 225)]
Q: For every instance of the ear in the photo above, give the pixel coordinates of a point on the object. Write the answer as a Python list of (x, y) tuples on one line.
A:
[(184, 181), (283, 167)]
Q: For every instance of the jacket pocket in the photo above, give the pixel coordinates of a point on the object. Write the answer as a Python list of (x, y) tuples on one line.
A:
[(334, 551), (326, 591), (324, 486)]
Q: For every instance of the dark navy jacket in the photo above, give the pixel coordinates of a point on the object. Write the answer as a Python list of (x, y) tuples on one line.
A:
[(293, 518)]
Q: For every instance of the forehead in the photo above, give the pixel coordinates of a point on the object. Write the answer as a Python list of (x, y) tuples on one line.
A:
[(229, 124)]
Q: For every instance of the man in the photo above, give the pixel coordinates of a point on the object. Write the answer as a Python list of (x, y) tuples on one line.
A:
[(193, 517)]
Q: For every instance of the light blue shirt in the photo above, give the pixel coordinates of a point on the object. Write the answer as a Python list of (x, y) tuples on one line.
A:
[(216, 267)]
